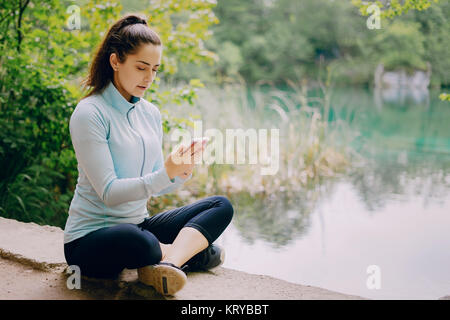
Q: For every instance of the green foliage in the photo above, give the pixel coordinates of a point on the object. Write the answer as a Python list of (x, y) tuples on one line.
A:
[(34, 119), (433, 32), (444, 97), (36, 101), (183, 27), (401, 45), (35, 196), (394, 7), (41, 64), (435, 26), (277, 40)]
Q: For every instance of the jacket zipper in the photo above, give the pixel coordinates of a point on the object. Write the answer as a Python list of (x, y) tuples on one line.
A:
[(142, 139)]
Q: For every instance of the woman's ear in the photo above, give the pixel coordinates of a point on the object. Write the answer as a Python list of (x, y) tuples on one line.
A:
[(113, 61)]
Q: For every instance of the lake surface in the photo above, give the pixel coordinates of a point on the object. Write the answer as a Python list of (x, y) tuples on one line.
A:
[(393, 212)]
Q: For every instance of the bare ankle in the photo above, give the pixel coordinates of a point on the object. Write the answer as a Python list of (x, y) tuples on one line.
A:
[(165, 250), (169, 259)]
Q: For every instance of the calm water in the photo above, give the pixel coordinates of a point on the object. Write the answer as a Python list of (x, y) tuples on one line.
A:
[(392, 212)]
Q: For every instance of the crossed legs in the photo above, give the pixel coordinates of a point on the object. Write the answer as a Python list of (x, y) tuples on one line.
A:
[(188, 243), (173, 236)]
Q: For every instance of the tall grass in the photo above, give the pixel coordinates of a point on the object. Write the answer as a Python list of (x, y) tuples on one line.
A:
[(311, 147), (313, 153)]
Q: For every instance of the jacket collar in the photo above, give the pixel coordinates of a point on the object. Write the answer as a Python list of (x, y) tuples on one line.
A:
[(115, 98)]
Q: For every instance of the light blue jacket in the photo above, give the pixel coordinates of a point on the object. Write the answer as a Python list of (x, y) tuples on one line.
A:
[(118, 145)]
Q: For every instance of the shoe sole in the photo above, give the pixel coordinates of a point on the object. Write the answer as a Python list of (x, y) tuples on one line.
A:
[(166, 280)]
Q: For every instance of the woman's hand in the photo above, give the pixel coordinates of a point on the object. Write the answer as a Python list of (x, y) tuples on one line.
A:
[(181, 161), (187, 173)]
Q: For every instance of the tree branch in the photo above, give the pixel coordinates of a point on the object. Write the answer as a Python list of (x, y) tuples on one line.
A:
[(19, 22)]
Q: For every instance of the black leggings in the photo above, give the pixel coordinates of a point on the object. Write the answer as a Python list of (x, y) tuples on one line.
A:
[(104, 253)]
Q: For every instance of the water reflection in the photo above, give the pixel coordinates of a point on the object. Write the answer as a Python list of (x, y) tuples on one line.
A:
[(277, 219), (390, 209), (400, 88), (383, 181), (401, 97), (407, 157)]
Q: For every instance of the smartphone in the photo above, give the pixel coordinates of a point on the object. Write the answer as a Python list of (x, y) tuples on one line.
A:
[(203, 140)]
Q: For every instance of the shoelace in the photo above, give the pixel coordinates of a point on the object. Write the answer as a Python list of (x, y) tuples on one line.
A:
[(183, 268)]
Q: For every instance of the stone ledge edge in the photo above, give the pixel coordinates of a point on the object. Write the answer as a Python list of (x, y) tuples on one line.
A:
[(39, 265)]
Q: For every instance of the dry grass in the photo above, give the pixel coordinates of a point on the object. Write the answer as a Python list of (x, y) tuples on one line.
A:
[(311, 149)]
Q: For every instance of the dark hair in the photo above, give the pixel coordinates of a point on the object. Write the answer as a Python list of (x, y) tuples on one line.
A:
[(123, 38)]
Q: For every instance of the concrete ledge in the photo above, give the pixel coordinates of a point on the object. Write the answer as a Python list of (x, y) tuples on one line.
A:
[(40, 247), (33, 261)]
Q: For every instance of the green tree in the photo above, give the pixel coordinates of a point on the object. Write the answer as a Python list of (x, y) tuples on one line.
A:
[(401, 45), (434, 26), (393, 8), (42, 61), (277, 40)]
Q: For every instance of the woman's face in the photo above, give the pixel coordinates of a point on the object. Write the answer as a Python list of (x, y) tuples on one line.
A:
[(137, 73)]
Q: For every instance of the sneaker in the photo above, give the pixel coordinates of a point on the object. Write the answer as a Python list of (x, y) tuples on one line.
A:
[(165, 277), (211, 257)]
